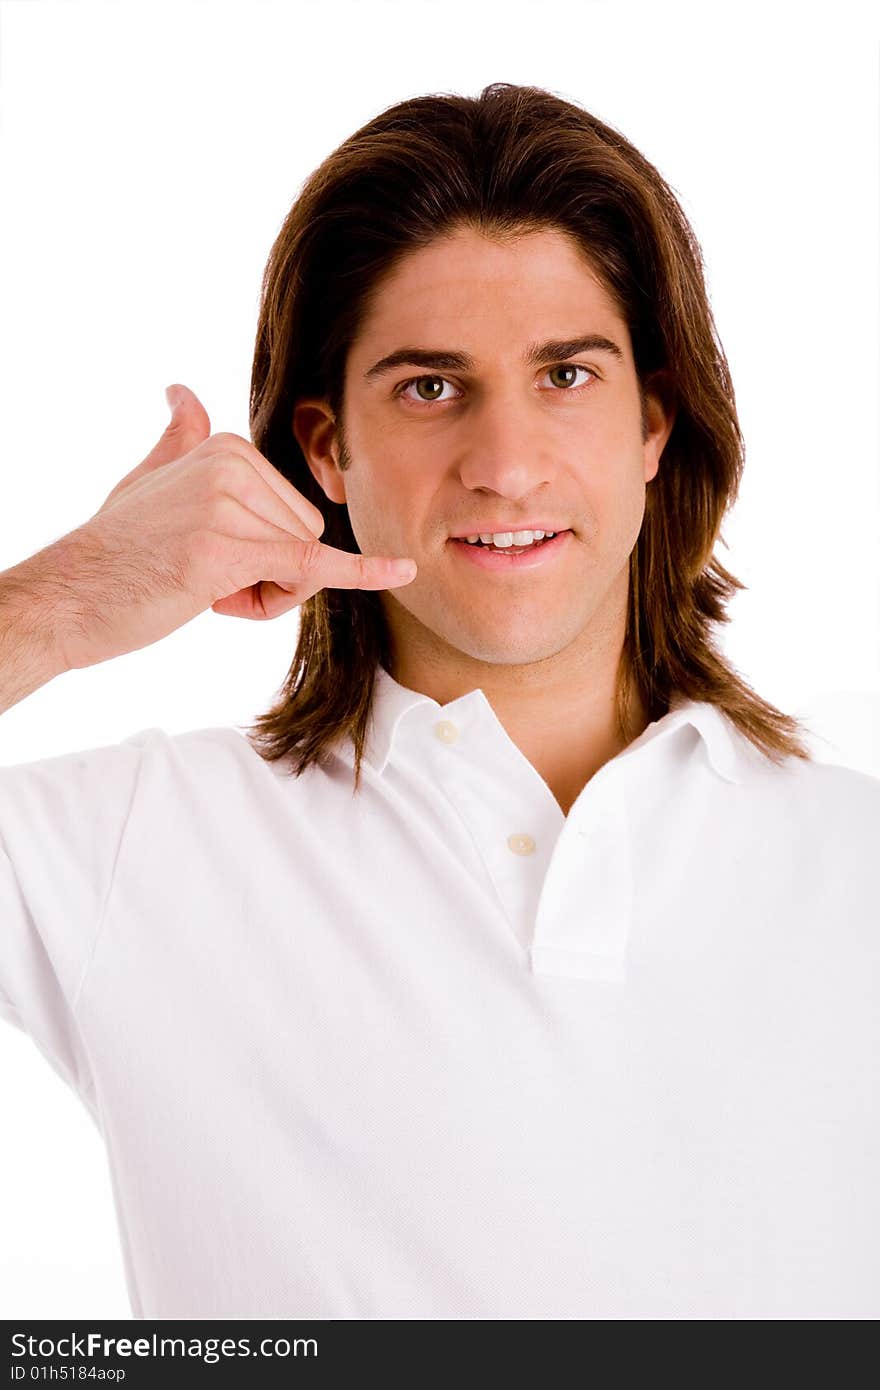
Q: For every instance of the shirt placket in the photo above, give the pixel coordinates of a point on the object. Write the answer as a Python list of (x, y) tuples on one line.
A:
[(565, 884), (584, 917)]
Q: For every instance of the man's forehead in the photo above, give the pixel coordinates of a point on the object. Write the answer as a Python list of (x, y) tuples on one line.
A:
[(496, 330), (461, 266)]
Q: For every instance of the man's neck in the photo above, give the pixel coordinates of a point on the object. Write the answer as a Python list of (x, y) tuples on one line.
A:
[(569, 740), (567, 731)]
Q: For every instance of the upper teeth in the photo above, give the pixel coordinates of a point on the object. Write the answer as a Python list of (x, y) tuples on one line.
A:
[(504, 538)]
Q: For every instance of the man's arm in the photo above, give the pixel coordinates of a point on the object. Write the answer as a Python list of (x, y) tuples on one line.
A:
[(29, 655)]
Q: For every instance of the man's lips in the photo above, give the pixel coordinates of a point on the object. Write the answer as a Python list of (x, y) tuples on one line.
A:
[(500, 529), (515, 558)]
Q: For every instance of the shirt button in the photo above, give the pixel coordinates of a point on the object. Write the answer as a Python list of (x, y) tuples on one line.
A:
[(521, 844), (446, 731)]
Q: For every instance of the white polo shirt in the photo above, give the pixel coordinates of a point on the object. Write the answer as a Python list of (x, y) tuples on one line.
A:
[(438, 1051)]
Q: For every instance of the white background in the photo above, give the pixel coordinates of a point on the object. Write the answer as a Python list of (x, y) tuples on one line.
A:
[(149, 153)]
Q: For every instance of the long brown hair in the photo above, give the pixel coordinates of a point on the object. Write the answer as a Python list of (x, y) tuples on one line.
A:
[(510, 160)]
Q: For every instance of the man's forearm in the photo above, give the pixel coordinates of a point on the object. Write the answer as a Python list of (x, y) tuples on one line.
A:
[(29, 655)]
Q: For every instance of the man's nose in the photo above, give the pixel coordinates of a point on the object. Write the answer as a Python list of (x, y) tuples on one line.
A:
[(504, 447)]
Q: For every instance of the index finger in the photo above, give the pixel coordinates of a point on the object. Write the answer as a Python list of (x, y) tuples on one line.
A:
[(317, 566)]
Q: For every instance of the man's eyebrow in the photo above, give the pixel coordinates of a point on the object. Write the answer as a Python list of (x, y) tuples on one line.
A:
[(555, 350)]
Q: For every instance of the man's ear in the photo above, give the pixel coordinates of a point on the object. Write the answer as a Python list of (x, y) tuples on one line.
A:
[(314, 428), (661, 408)]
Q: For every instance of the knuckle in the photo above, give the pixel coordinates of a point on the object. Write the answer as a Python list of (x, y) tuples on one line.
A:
[(248, 488), (222, 512), (309, 556), (226, 439), (225, 470)]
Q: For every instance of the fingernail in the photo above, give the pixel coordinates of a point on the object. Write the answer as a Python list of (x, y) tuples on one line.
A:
[(404, 569)]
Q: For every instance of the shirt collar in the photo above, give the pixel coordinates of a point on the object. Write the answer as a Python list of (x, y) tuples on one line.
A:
[(392, 702)]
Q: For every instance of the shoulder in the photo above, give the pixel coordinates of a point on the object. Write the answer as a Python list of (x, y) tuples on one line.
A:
[(218, 758), (149, 762), (217, 770), (827, 813), (827, 786)]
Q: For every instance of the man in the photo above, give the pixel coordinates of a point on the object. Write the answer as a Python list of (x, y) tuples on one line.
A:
[(545, 988)]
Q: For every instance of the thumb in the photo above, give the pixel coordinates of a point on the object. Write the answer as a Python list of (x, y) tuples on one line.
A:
[(189, 426)]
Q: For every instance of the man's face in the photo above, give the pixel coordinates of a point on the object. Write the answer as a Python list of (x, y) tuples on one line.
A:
[(497, 446)]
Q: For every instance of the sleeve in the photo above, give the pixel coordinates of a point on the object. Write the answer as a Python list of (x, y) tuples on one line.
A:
[(62, 820)]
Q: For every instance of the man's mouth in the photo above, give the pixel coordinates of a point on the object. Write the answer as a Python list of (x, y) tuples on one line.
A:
[(507, 546), (511, 557)]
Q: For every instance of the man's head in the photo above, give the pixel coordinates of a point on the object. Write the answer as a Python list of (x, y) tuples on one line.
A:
[(508, 444), (484, 226)]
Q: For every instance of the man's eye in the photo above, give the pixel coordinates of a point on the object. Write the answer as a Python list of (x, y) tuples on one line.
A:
[(437, 383), (416, 380), (570, 367)]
